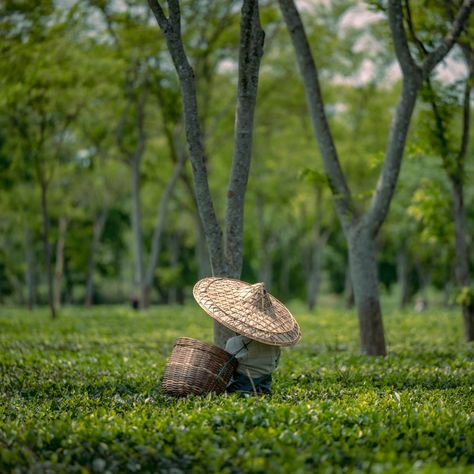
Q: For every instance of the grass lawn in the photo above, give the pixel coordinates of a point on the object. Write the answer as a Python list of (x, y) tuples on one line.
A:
[(82, 394)]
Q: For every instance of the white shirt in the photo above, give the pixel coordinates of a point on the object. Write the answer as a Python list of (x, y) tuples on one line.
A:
[(255, 358)]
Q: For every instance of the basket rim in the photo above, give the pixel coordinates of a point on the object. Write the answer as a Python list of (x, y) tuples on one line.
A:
[(205, 346)]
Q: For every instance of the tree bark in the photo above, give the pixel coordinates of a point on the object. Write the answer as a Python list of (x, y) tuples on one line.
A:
[(402, 276), (369, 223), (319, 240), (459, 210), (363, 265), (462, 254), (30, 268), (455, 169), (424, 278), (201, 253), (158, 230), (59, 267), (174, 248), (265, 268), (457, 192), (348, 288), (226, 258), (314, 276), (284, 271), (139, 273), (250, 54), (133, 157), (171, 28), (46, 247), (99, 224)]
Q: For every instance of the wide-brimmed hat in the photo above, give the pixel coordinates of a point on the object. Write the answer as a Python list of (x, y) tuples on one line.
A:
[(248, 310)]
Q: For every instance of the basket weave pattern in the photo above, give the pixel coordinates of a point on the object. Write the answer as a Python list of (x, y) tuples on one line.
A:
[(247, 309), (195, 367)]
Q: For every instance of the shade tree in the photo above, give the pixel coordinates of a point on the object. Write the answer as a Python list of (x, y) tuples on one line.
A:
[(225, 253), (41, 49), (361, 229)]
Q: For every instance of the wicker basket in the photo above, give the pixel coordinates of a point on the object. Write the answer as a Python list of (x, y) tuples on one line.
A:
[(198, 368)]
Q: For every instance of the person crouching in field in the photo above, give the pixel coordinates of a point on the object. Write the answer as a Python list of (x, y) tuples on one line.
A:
[(257, 362), (262, 323)]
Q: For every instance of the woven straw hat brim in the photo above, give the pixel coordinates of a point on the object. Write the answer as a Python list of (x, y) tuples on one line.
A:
[(236, 305)]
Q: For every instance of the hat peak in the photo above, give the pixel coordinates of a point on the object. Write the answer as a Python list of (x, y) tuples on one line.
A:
[(257, 296)]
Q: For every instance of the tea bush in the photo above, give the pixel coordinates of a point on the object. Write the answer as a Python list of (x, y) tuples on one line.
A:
[(82, 394)]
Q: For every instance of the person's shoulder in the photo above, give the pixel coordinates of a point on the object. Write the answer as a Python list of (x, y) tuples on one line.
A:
[(233, 342)]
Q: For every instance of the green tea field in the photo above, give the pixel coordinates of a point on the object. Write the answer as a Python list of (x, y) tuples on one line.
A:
[(82, 394)]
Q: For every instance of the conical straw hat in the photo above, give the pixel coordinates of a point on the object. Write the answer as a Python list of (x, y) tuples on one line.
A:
[(248, 310)]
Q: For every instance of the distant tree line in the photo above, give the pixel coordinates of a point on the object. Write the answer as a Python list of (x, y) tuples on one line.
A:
[(143, 147)]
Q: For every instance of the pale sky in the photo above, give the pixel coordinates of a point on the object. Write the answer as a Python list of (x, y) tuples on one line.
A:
[(359, 17)]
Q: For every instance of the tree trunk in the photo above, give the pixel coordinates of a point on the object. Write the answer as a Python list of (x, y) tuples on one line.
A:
[(158, 231), (373, 218), (99, 224), (59, 267), (363, 266), (202, 255), (226, 259), (459, 211), (265, 268), (250, 54), (314, 277), (30, 268), (348, 288), (139, 273), (462, 254), (424, 278), (47, 248), (285, 272), (318, 242), (174, 247), (402, 276)]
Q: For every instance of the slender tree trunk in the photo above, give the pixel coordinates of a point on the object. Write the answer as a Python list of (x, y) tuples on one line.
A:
[(174, 247), (402, 276), (447, 290), (226, 259), (202, 255), (265, 269), (285, 272), (30, 268), (139, 272), (424, 278), (250, 53), (363, 266), (47, 247), (158, 231), (462, 255), (318, 242), (314, 277), (459, 210), (99, 224), (59, 267), (371, 221), (348, 288)]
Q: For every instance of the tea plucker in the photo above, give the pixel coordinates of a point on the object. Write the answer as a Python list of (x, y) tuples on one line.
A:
[(262, 325)]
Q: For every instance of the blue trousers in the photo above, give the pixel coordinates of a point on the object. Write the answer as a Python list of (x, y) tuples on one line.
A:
[(242, 384)]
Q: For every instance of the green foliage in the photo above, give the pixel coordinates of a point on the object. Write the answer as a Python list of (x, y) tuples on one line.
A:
[(69, 75), (316, 178), (82, 395), (431, 208), (465, 296)]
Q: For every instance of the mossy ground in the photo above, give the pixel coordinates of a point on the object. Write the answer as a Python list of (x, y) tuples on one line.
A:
[(82, 394)]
